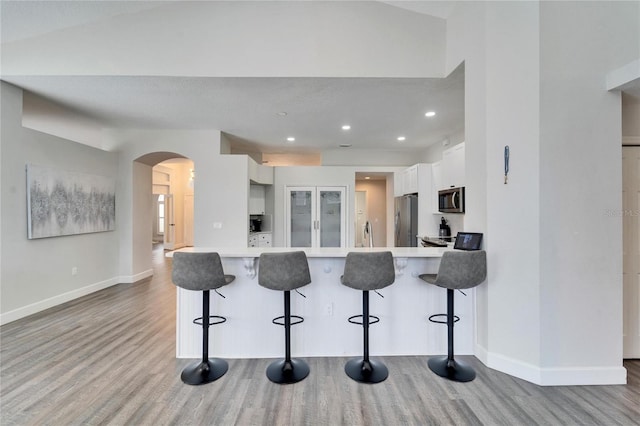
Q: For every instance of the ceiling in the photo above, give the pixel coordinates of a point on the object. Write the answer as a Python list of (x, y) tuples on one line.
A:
[(256, 113), (251, 110)]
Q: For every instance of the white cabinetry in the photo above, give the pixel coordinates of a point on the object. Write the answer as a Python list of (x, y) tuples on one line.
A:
[(436, 184), (407, 181), (262, 239), (452, 169), (316, 216), (418, 179), (256, 199), (410, 180)]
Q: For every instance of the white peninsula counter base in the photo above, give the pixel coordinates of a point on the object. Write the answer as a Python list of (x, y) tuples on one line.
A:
[(404, 328)]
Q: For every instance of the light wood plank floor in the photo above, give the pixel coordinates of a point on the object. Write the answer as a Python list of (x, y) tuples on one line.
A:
[(109, 358)]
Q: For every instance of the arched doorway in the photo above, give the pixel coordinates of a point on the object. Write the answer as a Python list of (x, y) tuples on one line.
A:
[(165, 199)]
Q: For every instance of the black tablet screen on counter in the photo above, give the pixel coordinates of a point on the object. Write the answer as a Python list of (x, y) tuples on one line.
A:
[(468, 241)]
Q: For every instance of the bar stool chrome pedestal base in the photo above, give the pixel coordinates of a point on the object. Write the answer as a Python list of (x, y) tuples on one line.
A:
[(366, 371), (204, 372), (284, 372)]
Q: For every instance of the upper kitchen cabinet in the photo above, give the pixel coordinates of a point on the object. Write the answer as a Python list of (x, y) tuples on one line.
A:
[(418, 179), (452, 172), (409, 180), (257, 199)]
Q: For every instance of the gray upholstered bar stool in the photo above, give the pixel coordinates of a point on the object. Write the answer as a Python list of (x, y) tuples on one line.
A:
[(285, 272), (367, 271), (458, 270), (202, 272)]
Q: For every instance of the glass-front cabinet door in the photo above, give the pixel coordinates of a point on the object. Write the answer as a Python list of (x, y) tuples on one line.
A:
[(331, 217), (301, 222), (316, 216)]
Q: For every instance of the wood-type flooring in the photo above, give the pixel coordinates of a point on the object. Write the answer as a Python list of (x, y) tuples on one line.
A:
[(109, 359)]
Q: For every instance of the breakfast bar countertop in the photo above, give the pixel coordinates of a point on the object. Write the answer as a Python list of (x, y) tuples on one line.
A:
[(326, 252)]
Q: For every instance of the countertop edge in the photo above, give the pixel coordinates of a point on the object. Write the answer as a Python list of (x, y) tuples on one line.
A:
[(325, 252)]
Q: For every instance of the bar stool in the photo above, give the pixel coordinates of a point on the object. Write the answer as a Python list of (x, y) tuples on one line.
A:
[(285, 272), (458, 270), (202, 272), (367, 271)]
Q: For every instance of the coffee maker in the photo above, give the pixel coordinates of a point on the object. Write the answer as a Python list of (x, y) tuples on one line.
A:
[(256, 225), (445, 230)]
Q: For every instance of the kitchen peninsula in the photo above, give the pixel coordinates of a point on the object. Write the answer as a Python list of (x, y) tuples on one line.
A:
[(249, 308)]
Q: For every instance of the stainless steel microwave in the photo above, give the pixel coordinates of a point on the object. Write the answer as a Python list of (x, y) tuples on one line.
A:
[(451, 200)]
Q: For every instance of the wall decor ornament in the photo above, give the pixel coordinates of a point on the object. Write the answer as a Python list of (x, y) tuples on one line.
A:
[(62, 202)]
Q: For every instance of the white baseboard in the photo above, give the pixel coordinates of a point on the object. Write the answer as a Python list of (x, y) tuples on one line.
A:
[(128, 279), (579, 376), (36, 307), (563, 376)]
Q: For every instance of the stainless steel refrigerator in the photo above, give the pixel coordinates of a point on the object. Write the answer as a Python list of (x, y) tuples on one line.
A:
[(406, 221)]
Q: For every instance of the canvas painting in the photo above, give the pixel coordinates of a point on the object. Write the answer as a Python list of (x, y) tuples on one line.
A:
[(62, 202)]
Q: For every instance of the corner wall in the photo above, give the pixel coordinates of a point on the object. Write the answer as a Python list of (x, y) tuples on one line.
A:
[(221, 190), (580, 180), (551, 309), (94, 255)]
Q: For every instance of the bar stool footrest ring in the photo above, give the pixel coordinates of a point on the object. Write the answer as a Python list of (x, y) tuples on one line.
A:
[(298, 319), (218, 320), (431, 318), (372, 319)]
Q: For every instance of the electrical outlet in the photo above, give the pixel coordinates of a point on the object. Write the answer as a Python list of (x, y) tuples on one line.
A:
[(74, 270), (217, 225), (328, 309)]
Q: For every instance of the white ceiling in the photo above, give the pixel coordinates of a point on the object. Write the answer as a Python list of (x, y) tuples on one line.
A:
[(378, 109)]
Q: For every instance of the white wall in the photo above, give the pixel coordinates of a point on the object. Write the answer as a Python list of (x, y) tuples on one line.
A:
[(220, 190), (27, 289), (47, 117), (581, 282), (535, 75), (364, 157)]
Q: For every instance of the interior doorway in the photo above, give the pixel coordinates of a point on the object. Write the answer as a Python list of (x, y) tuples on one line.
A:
[(173, 197), (372, 209), (363, 238)]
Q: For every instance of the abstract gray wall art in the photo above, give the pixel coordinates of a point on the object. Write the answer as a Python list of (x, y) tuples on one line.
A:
[(66, 203)]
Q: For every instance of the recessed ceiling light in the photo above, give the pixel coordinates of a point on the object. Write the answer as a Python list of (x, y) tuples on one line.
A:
[(345, 145), (401, 138), (367, 177), (282, 113), (291, 139), (346, 127), (430, 114)]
